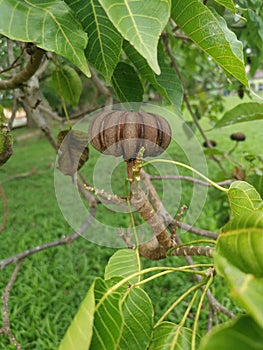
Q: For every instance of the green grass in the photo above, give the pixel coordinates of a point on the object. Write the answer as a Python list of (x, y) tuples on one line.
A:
[(51, 284)]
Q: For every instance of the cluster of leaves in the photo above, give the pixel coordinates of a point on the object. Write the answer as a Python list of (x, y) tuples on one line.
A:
[(117, 312), (121, 40)]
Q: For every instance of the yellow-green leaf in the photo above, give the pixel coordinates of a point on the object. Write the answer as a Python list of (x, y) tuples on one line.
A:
[(104, 46), (67, 82), (241, 243), (210, 32), (141, 23), (50, 25), (79, 334)]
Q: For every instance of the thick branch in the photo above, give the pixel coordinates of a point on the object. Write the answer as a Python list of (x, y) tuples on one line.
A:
[(23, 76), (168, 219), (157, 247)]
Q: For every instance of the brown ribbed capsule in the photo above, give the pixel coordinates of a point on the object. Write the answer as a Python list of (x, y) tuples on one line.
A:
[(212, 143), (124, 133), (238, 136)]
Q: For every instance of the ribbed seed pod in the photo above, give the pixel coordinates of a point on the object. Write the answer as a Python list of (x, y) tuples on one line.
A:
[(238, 136), (124, 133)]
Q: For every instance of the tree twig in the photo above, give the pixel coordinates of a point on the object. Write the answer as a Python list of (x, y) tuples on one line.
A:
[(190, 179), (6, 329), (65, 240), (30, 69)]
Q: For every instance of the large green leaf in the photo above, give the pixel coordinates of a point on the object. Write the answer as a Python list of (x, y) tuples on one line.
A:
[(241, 243), (126, 83), (241, 333), (247, 289), (79, 334), (108, 320), (167, 83), (243, 198), (141, 23), (243, 112), (137, 311), (67, 82), (164, 337), (104, 46), (50, 25), (123, 263), (209, 31)]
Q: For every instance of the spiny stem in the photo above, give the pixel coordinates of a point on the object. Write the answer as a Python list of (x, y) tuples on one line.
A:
[(214, 184)]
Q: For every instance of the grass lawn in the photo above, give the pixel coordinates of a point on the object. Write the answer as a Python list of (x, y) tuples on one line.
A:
[(51, 284)]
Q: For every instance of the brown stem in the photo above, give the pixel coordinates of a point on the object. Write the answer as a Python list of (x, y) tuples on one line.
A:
[(65, 240), (193, 250), (157, 247), (168, 219), (190, 179), (33, 64), (6, 329)]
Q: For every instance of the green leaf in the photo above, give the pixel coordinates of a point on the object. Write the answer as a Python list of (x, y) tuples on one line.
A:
[(122, 263), (257, 181), (209, 31), (229, 4), (243, 112), (246, 289), (108, 320), (241, 242), (243, 198), (137, 311), (241, 333), (67, 82), (79, 333), (164, 337), (167, 83), (141, 23), (105, 42), (127, 86), (50, 25)]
